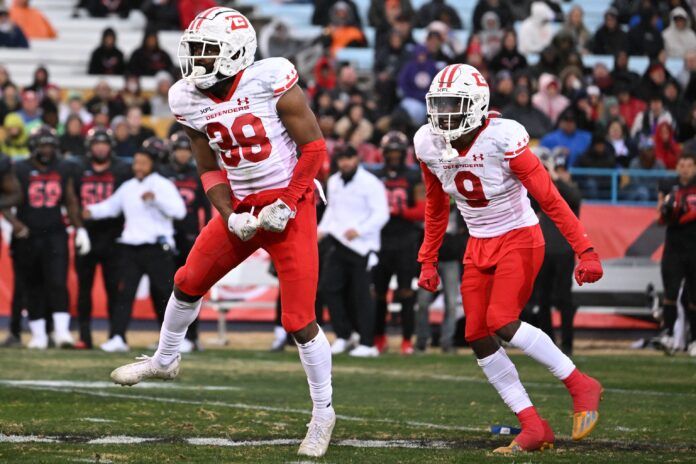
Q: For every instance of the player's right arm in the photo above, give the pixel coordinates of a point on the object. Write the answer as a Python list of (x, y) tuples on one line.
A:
[(11, 191)]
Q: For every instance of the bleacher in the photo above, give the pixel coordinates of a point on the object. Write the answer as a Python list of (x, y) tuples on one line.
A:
[(67, 57)]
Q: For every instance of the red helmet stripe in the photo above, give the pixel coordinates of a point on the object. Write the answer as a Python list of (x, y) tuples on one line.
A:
[(452, 73), (205, 15)]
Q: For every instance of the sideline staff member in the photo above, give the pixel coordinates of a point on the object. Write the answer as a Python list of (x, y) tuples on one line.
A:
[(150, 203)]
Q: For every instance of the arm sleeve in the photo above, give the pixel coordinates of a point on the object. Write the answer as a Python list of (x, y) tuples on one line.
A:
[(111, 207), (529, 170), (415, 213), (436, 217), (168, 200), (306, 169), (379, 209)]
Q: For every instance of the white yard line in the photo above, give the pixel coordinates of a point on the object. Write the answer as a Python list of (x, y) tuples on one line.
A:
[(97, 420), (97, 384)]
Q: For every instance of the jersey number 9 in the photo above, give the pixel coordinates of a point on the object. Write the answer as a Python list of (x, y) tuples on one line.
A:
[(245, 139), (473, 192)]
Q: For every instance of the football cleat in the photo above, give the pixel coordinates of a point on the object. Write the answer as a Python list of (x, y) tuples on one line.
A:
[(316, 442), (115, 345), (145, 368), (587, 393), (537, 437), (340, 345), (363, 351), (406, 347), (38, 343), (62, 340), (187, 346), (381, 343)]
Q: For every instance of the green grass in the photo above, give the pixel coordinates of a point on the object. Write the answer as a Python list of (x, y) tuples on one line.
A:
[(648, 414)]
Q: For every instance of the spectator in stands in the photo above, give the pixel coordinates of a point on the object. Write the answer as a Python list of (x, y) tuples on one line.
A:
[(508, 57), (162, 15), (620, 73), (11, 36), (433, 43), (16, 140), (354, 127), (451, 46), (132, 95), (40, 84), (438, 10), (352, 223), (320, 17), (687, 130), (49, 115), (522, 111), (645, 37), (10, 101), (31, 110), (414, 80), (548, 99), (571, 141), (160, 100), (189, 9), (491, 35), (600, 155), (75, 107), (624, 148), (346, 85), (104, 101), (275, 39), (674, 103), (647, 120), (390, 57), (5, 79), (536, 31), (499, 7), (32, 22), (502, 94), (149, 58), (666, 147), (343, 30), (125, 145), (107, 58), (383, 14), (679, 38), (653, 81), (138, 133), (687, 75), (629, 106), (575, 27), (609, 38), (403, 25), (104, 8), (643, 188), (72, 142)]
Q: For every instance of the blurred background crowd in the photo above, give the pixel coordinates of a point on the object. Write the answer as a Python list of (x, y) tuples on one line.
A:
[(606, 90)]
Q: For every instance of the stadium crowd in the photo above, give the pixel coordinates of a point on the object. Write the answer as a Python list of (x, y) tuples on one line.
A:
[(578, 116)]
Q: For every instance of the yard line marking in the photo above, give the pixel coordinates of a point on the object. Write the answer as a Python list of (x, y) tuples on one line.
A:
[(97, 420), (119, 440), (256, 407), (98, 384), (228, 442), (26, 439)]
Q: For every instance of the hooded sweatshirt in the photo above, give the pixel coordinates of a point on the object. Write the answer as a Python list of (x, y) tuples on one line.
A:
[(416, 75), (551, 105), (536, 31), (32, 22), (678, 42), (667, 151), (15, 146)]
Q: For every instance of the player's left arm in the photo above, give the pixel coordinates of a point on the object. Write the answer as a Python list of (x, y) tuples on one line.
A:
[(82, 243), (302, 126), (11, 191), (416, 213), (529, 170)]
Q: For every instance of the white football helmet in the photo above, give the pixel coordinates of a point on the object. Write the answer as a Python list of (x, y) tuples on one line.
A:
[(221, 34), (457, 101)]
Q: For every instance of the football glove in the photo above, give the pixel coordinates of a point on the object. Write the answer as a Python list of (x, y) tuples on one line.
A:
[(275, 217), (82, 242), (589, 269), (429, 279), (243, 225)]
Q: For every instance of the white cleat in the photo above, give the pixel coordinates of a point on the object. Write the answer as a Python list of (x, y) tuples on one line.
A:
[(38, 343), (363, 351), (692, 349), (316, 442), (145, 368), (115, 345), (63, 340), (340, 345)]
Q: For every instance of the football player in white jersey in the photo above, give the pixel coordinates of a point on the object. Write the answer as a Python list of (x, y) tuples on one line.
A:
[(484, 163), (247, 120)]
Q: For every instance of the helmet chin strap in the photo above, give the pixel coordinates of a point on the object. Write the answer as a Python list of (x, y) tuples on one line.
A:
[(450, 152)]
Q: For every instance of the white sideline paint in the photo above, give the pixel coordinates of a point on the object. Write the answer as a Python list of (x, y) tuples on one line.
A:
[(119, 440), (97, 420), (254, 407), (96, 384), (228, 442), (26, 439)]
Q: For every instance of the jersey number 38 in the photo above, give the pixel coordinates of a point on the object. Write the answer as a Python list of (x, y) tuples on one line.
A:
[(246, 138)]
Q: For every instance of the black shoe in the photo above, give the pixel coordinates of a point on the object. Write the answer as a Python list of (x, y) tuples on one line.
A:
[(12, 341)]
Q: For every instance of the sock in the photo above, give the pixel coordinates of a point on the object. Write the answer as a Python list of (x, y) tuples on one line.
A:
[(177, 317), (669, 315), (315, 356), (38, 328), (61, 322), (502, 374), (538, 346)]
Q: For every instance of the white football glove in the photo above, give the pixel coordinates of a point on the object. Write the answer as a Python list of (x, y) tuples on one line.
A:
[(82, 242), (243, 225), (275, 217)]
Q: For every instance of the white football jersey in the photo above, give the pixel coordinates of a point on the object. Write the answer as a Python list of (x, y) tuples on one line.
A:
[(244, 129), (489, 196)]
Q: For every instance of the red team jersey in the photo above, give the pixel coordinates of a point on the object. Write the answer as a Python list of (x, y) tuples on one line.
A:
[(244, 129)]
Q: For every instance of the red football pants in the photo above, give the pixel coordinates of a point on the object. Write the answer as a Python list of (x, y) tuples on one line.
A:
[(294, 254), (499, 275)]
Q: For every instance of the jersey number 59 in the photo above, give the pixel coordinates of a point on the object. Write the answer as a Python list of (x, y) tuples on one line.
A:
[(246, 138)]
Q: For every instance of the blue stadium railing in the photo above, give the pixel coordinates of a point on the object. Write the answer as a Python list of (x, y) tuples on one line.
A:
[(620, 186)]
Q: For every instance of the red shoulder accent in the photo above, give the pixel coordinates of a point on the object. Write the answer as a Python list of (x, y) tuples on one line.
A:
[(293, 79)]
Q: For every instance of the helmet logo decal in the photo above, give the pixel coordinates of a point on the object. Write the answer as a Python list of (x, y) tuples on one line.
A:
[(480, 81), (237, 21)]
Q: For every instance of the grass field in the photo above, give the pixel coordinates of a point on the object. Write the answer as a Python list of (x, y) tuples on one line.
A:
[(252, 406)]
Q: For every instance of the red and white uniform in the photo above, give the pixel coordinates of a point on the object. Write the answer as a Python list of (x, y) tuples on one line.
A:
[(260, 159), (245, 130), (489, 181)]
